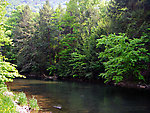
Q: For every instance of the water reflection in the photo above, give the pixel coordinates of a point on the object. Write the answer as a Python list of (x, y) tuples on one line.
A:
[(83, 97)]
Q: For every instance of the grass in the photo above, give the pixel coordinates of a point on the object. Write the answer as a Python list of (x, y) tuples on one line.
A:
[(22, 100), (33, 104), (7, 100), (6, 103)]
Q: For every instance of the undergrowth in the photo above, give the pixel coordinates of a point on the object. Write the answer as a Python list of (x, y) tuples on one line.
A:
[(8, 98)]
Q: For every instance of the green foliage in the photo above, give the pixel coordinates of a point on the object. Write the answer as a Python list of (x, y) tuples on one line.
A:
[(64, 55), (3, 88), (22, 24), (7, 70), (78, 64), (15, 97), (3, 5), (62, 41), (6, 104), (33, 104), (22, 99), (8, 98), (78, 47), (51, 70), (129, 16), (123, 58)]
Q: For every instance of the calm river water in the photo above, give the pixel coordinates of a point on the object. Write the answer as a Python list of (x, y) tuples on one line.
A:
[(75, 97)]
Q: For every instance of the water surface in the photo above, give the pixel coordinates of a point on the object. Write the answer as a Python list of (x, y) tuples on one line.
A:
[(75, 97)]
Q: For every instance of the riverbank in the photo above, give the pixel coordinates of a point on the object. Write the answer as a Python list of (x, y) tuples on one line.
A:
[(15, 102), (124, 84), (133, 85)]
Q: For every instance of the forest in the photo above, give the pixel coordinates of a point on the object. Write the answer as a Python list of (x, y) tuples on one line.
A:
[(88, 40)]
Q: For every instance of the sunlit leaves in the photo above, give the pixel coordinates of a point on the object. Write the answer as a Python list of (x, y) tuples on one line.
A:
[(122, 57), (7, 70)]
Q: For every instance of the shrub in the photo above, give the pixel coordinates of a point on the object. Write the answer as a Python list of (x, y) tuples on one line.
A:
[(6, 104), (122, 57), (33, 104), (22, 100)]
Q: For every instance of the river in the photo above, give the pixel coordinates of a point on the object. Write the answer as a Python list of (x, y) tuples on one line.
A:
[(75, 97)]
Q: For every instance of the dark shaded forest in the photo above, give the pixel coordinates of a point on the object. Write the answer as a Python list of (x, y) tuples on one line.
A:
[(87, 40)]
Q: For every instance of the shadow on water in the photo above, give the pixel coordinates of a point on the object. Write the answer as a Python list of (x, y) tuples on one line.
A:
[(75, 97)]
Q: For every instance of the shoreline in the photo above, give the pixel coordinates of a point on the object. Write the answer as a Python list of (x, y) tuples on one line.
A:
[(123, 84), (20, 107)]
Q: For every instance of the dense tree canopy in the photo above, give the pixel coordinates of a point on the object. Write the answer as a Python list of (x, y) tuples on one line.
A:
[(7, 70), (89, 39)]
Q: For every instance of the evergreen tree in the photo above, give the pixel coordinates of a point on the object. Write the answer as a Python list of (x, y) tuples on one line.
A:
[(130, 16), (48, 37), (79, 56), (23, 33)]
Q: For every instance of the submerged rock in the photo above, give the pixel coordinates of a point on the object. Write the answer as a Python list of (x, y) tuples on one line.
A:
[(57, 107)]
